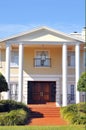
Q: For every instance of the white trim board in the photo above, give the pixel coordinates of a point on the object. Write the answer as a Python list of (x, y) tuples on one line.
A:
[(41, 76)]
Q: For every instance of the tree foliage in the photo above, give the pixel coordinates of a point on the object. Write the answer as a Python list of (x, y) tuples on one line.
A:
[(82, 83), (3, 83)]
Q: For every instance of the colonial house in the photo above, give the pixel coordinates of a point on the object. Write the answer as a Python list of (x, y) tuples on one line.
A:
[(43, 65)]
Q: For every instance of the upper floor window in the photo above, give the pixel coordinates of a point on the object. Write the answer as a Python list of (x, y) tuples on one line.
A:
[(71, 58), (42, 59), (14, 58)]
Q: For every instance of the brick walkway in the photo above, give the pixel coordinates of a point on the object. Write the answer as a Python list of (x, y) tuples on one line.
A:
[(47, 114)]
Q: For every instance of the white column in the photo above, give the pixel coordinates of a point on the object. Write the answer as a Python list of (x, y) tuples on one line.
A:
[(7, 68), (77, 70), (64, 75), (20, 86)]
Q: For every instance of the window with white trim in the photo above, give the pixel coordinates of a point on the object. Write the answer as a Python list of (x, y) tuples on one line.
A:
[(14, 58), (42, 59), (72, 91), (71, 59), (13, 91)]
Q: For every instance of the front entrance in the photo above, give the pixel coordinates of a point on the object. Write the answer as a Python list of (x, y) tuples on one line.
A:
[(40, 92)]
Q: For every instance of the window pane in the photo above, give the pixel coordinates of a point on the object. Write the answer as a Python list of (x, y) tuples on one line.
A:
[(42, 62), (14, 91), (37, 62), (14, 58), (72, 92), (71, 59)]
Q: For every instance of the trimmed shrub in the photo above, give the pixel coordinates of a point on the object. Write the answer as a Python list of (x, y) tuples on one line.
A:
[(13, 113), (3, 83), (82, 107), (69, 112), (9, 105), (74, 113), (69, 109), (15, 117), (2, 107), (79, 120)]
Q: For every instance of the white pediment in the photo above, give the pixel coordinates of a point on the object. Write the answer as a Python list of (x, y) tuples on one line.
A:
[(48, 37), (42, 34), (41, 37)]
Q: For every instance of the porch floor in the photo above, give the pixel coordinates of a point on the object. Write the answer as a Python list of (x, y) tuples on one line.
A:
[(46, 115)]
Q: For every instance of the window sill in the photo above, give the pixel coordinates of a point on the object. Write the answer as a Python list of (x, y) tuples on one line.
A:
[(42, 66), (71, 67), (14, 66)]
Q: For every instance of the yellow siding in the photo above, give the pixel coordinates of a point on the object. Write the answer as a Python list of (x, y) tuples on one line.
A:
[(55, 55), (28, 67)]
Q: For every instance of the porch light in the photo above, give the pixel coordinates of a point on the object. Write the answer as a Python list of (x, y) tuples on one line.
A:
[(43, 56)]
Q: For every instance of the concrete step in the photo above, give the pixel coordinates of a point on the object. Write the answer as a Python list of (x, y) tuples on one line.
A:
[(44, 111), (47, 114)]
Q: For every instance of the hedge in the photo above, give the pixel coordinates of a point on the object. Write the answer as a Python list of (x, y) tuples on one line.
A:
[(14, 117), (75, 113), (13, 113), (8, 105)]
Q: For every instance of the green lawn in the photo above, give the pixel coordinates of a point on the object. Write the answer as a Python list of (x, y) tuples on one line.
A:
[(42, 127)]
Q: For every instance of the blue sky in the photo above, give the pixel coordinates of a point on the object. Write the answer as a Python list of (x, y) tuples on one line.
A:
[(20, 15)]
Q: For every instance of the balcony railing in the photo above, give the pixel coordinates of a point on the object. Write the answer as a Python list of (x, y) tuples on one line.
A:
[(70, 98), (42, 63)]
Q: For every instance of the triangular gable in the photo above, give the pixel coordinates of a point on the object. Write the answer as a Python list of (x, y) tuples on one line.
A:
[(42, 34)]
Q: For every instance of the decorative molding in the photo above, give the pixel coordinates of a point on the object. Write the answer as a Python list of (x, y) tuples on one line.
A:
[(55, 32), (43, 42), (41, 76)]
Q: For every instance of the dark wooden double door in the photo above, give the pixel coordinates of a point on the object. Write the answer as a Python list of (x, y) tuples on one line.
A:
[(41, 92)]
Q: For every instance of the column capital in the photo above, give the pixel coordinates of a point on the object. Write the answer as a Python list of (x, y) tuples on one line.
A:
[(20, 43), (77, 44), (8, 43), (65, 43)]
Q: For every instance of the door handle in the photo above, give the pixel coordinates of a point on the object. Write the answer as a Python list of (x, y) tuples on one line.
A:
[(41, 94)]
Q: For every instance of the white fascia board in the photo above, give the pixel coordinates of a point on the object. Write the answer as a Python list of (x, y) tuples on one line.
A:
[(40, 28)]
